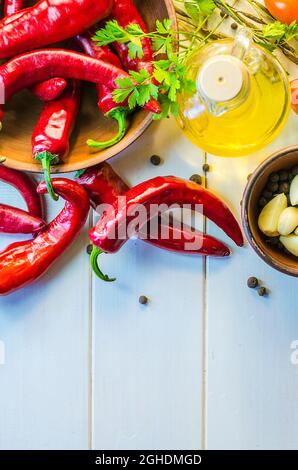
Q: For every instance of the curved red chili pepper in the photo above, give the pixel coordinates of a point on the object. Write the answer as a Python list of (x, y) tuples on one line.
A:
[(106, 102), (49, 22), (50, 138), (126, 13), (104, 186), (25, 186), (150, 194), (14, 220), (24, 262), (33, 67), (45, 91), (50, 89)]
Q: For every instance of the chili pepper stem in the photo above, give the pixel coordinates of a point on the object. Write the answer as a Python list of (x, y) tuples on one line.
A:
[(47, 159), (94, 265), (119, 114)]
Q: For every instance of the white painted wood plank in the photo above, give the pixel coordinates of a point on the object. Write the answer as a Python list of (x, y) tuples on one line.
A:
[(147, 359), (44, 392), (251, 383)]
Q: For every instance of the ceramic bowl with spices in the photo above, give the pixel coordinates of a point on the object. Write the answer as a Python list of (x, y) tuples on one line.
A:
[(270, 211)]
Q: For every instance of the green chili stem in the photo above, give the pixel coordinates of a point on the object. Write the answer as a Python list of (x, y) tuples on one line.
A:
[(119, 114), (94, 265), (47, 159)]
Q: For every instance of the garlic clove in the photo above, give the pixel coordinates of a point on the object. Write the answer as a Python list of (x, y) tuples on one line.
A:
[(288, 221), (290, 243), (268, 218), (294, 191)]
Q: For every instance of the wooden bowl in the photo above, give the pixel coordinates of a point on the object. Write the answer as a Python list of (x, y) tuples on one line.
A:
[(285, 159), (21, 114)]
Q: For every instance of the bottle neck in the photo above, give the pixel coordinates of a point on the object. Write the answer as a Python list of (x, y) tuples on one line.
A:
[(223, 83)]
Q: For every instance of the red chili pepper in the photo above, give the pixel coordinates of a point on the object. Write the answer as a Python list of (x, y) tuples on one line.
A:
[(125, 12), (14, 220), (25, 186), (50, 138), (150, 194), (24, 262), (49, 22), (106, 101), (49, 89), (104, 186), (12, 6), (33, 67)]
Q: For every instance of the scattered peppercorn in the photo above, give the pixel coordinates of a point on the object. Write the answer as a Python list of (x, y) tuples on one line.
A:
[(284, 188), (252, 282), (283, 175), (143, 299), (262, 291), (274, 177), (222, 14), (196, 178), (155, 160), (89, 249), (234, 26), (206, 167)]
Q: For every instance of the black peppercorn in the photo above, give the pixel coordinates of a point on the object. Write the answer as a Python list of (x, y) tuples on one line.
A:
[(262, 202), (284, 188), (89, 249), (283, 175), (196, 179), (274, 177), (234, 26), (267, 194), (262, 291), (206, 167), (155, 160), (143, 299), (273, 187), (252, 282), (222, 14)]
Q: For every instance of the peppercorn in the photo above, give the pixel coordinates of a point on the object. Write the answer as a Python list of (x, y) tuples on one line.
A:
[(274, 177), (283, 175), (155, 160), (89, 249), (284, 188), (222, 14), (196, 178), (252, 282), (262, 291), (234, 26), (206, 167), (143, 299), (273, 187), (262, 202), (267, 194)]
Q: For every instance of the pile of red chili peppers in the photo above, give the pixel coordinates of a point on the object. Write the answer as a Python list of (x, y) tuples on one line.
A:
[(54, 75)]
